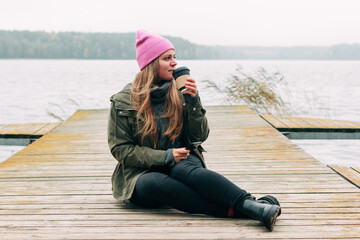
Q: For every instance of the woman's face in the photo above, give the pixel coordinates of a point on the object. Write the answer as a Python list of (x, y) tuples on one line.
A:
[(167, 65)]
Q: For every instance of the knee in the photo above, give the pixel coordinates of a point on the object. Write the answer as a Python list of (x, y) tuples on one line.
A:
[(190, 162), (186, 167), (150, 183)]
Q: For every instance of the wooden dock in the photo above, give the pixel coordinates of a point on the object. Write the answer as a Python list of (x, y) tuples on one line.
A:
[(314, 128), (35, 129), (59, 186), (24, 134)]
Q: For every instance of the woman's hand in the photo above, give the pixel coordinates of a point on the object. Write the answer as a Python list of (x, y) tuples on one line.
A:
[(180, 154), (191, 87)]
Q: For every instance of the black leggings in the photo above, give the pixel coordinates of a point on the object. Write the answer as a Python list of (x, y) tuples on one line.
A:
[(189, 187)]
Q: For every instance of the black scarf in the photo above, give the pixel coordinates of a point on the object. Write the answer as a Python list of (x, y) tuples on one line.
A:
[(158, 92), (158, 96)]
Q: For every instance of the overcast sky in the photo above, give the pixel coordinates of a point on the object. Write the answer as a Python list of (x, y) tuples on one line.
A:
[(223, 22)]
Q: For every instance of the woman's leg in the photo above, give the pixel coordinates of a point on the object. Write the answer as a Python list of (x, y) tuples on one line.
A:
[(155, 189), (208, 183), (219, 189)]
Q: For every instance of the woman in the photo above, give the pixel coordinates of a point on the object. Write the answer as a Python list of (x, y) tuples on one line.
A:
[(149, 126)]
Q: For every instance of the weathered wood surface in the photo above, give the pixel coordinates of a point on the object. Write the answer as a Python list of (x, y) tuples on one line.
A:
[(28, 128), (283, 123), (349, 173), (59, 187)]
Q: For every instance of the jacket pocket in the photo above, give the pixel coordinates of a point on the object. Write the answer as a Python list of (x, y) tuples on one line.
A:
[(126, 112), (134, 125)]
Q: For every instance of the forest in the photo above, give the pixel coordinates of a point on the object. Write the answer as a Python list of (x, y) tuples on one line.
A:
[(81, 45)]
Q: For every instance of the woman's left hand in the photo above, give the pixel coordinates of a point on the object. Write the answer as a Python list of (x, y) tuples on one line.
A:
[(180, 154), (191, 87)]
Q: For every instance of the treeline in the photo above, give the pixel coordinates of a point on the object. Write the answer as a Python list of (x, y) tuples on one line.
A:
[(78, 45)]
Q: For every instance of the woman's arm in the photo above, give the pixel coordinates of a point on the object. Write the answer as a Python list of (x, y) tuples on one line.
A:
[(125, 149), (195, 119)]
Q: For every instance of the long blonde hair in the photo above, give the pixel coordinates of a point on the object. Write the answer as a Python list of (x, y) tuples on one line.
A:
[(141, 100)]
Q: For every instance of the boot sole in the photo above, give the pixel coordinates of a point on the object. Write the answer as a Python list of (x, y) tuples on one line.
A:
[(271, 200), (272, 218)]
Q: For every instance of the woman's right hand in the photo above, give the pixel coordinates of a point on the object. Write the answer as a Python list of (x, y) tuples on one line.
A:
[(180, 154)]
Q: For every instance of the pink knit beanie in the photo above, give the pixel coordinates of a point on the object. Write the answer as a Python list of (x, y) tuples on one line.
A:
[(149, 47)]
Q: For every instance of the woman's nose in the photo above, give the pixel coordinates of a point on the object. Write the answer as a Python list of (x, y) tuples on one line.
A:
[(174, 63)]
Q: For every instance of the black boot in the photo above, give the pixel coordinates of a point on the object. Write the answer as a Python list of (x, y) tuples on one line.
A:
[(269, 200), (263, 212)]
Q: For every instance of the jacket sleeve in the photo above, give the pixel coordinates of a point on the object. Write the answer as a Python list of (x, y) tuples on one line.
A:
[(124, 148), (197, 126)]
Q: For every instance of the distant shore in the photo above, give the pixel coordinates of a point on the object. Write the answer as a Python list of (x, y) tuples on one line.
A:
[(79, 45)]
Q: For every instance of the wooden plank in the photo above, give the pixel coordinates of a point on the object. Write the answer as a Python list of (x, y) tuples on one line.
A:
[(288, 122), (348, 173), (26, 129), (345, 124), (356, 124), (110, 211), (301, 122), (47, 128), (357, 169), (315, 123), (276, 123), (146, 221), (37, 190), (328, 123), (117, 206), (284, 122), (133, 216), (54, 197), (185, 231)]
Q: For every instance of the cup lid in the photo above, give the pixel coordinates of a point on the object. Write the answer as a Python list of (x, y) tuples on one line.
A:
[(181, 71)]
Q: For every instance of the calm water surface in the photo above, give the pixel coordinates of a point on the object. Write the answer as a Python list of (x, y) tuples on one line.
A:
[(38, 90)]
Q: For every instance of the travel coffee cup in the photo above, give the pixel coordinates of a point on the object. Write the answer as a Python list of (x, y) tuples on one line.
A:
[(180, 75)]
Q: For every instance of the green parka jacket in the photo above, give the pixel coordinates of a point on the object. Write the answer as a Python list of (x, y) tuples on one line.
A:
[(136, 158)]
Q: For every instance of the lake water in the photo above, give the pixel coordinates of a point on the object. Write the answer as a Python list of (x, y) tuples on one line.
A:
[(38, 90)]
